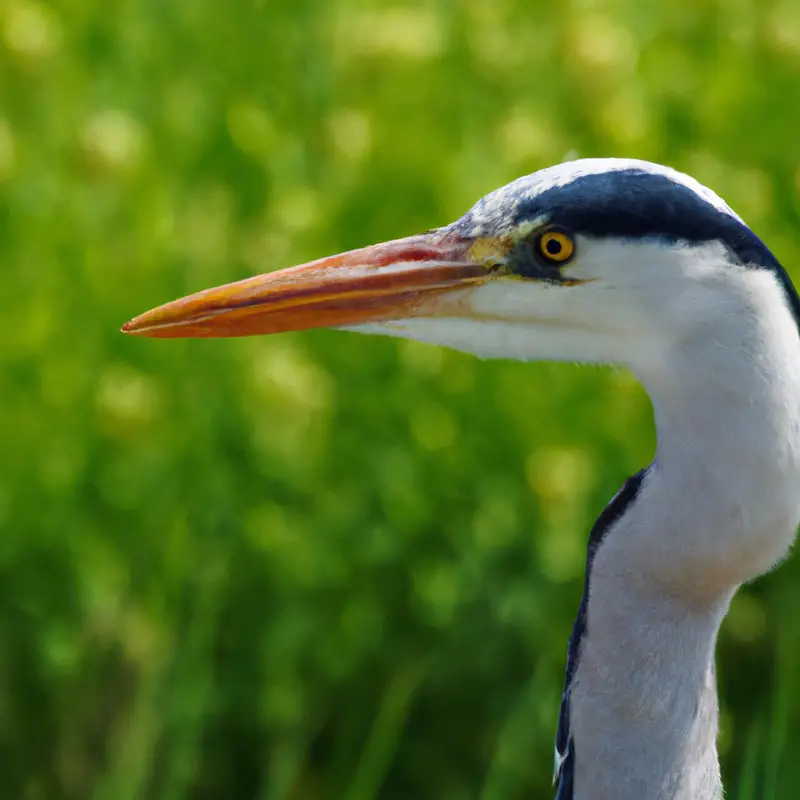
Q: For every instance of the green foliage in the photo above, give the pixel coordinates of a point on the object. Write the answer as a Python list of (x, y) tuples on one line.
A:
[(321, 565)]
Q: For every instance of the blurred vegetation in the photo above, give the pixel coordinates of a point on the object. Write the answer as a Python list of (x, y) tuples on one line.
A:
[(323, 565)]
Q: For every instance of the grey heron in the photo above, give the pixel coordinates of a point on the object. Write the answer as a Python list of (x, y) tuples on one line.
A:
[(628, 262)]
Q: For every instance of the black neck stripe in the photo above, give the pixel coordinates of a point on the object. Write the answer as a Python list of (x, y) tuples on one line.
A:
[(565, 745)]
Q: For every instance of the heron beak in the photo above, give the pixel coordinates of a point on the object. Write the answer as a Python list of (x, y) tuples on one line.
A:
[(419, 276)]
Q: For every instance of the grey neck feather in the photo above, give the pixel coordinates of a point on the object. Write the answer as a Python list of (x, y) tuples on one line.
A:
[(718, 506)]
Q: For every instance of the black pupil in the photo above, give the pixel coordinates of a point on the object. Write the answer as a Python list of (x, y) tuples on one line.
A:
[(553, 246)]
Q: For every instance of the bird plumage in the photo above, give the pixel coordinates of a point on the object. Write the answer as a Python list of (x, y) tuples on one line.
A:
[(646, 268)]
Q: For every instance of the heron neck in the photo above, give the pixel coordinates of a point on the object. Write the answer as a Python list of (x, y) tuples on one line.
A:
[(718, 506), (644, 700)]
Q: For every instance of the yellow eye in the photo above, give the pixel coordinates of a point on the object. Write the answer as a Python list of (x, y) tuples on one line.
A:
[(556, 246)]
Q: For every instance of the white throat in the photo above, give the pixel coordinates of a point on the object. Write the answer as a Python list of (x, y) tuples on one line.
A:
[(719, 505)]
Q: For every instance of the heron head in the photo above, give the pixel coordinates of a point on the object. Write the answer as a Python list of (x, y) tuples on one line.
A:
[(594, 260)]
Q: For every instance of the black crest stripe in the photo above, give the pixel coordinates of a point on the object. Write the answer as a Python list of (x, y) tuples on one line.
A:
[(636, 204)]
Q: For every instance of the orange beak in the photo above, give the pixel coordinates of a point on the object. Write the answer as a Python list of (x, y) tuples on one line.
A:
[(419, 276)]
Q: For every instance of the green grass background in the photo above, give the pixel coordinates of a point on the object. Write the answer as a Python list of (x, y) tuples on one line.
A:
[(322, 565)]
